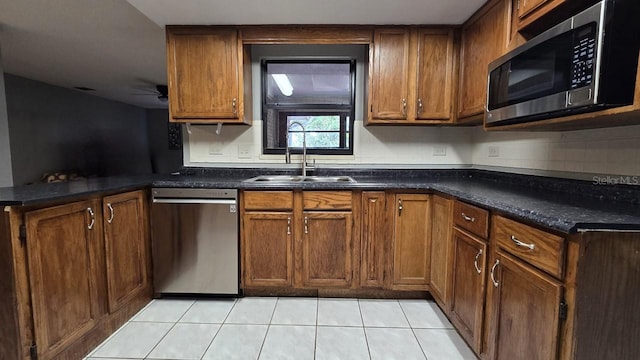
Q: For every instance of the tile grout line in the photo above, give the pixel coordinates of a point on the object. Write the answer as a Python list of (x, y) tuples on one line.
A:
[(364, 329), (268, 327), (412, 330), (167, 333), (219, 328)]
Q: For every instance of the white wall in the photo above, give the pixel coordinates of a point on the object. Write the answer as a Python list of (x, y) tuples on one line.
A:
[(6, 174), (608, 151)]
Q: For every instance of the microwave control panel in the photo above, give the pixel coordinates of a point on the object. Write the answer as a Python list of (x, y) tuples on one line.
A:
[(583, 57)]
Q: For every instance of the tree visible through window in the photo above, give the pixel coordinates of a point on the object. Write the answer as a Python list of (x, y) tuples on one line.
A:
[(317, 94)]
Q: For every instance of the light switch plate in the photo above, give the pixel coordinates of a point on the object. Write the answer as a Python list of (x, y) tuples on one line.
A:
[(494, 151), (244, 151), (439, 151)]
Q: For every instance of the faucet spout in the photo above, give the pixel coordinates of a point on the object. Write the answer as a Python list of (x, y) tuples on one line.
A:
[(287, 153)]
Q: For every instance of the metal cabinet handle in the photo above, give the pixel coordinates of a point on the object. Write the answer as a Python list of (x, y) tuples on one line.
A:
[(110, 213), (468, 218), (399, 207), (522, 244), (493, 279), (288, 226), (419, 106), (475, 262), (404, 107), (93, 218), (234, 106), (306, 225)]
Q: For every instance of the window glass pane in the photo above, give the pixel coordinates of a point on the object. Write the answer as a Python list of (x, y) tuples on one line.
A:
[(308, 83), (318, 140), (311, 123)]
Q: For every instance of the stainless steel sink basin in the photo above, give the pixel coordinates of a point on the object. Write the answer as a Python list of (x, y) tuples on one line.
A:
[(298, 179)]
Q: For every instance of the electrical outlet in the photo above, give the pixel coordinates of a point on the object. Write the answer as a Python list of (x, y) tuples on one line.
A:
[(494, 151), (215, 148), (244, 151), (439, 151)]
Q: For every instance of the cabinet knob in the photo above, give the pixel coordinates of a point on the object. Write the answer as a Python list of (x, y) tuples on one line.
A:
[(234, 106), (420, 106), (404, 107)]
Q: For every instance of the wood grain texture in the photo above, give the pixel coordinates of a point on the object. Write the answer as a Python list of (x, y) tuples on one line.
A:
[(441, 251), (548, 254), (306, 34), (65, 274), (435, 74), (389, 74), (327, 249), (411, 241), (471, 218), (267, 200), (205, 75), (607, 298), (126, 245), (468, 293), (374, 235), (531, 11), (525, 312), (267, 242), (484, 38), (327, 200), (10, 344)]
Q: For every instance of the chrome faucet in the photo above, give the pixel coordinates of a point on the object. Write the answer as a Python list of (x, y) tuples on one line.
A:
[(287, 153)]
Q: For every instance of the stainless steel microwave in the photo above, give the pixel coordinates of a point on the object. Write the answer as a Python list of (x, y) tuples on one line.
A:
[(586, 63)]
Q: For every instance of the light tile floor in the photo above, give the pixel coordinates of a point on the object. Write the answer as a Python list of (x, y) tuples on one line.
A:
[(286, 328)]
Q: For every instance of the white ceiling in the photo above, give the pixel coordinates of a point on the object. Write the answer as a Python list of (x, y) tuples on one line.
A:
[(117, 47)]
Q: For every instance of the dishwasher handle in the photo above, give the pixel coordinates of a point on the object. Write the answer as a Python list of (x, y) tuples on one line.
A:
[(194, 201)]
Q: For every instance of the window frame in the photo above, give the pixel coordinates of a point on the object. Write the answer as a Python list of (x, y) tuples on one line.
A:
[(346, 112)]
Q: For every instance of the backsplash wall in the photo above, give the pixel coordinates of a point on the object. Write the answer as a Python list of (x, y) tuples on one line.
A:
[(607, 151), (400, 146)]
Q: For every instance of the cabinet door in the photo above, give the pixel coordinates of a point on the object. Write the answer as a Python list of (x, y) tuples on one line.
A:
[(435, 74), (326, 249), (126, 247), (524, 311), (205, 74), (268, 251), (389, 75), (467, 304), (441, 251), (374, 234), (484, 38), (65, 272), (411, 242)]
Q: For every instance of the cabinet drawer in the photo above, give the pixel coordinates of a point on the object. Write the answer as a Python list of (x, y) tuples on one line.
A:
[(537, 247), (268, 200), (327, 200), (471, 218)]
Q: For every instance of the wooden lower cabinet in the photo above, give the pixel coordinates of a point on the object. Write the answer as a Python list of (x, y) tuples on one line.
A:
[(373, 240), (411, 242), (72, 274), (441, 251), (268, 249), (66, 273), (524, 305), (467, 302), (326, 249), (126, 245)]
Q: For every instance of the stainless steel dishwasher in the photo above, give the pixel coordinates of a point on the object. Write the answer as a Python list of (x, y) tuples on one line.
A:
[(195, 241)]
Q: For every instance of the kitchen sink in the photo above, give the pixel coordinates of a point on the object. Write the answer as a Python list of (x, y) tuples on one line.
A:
[(300, 179)]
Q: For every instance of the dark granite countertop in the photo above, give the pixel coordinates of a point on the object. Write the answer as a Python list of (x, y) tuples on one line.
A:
[(566, 206)]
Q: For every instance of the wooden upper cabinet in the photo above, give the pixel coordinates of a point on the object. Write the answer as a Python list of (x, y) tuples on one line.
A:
[(484, 39), (126, 245), (389, 74), (411, 242), (528, 11), (412, 72), (66, 273), (435, 74), (205, 72)]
